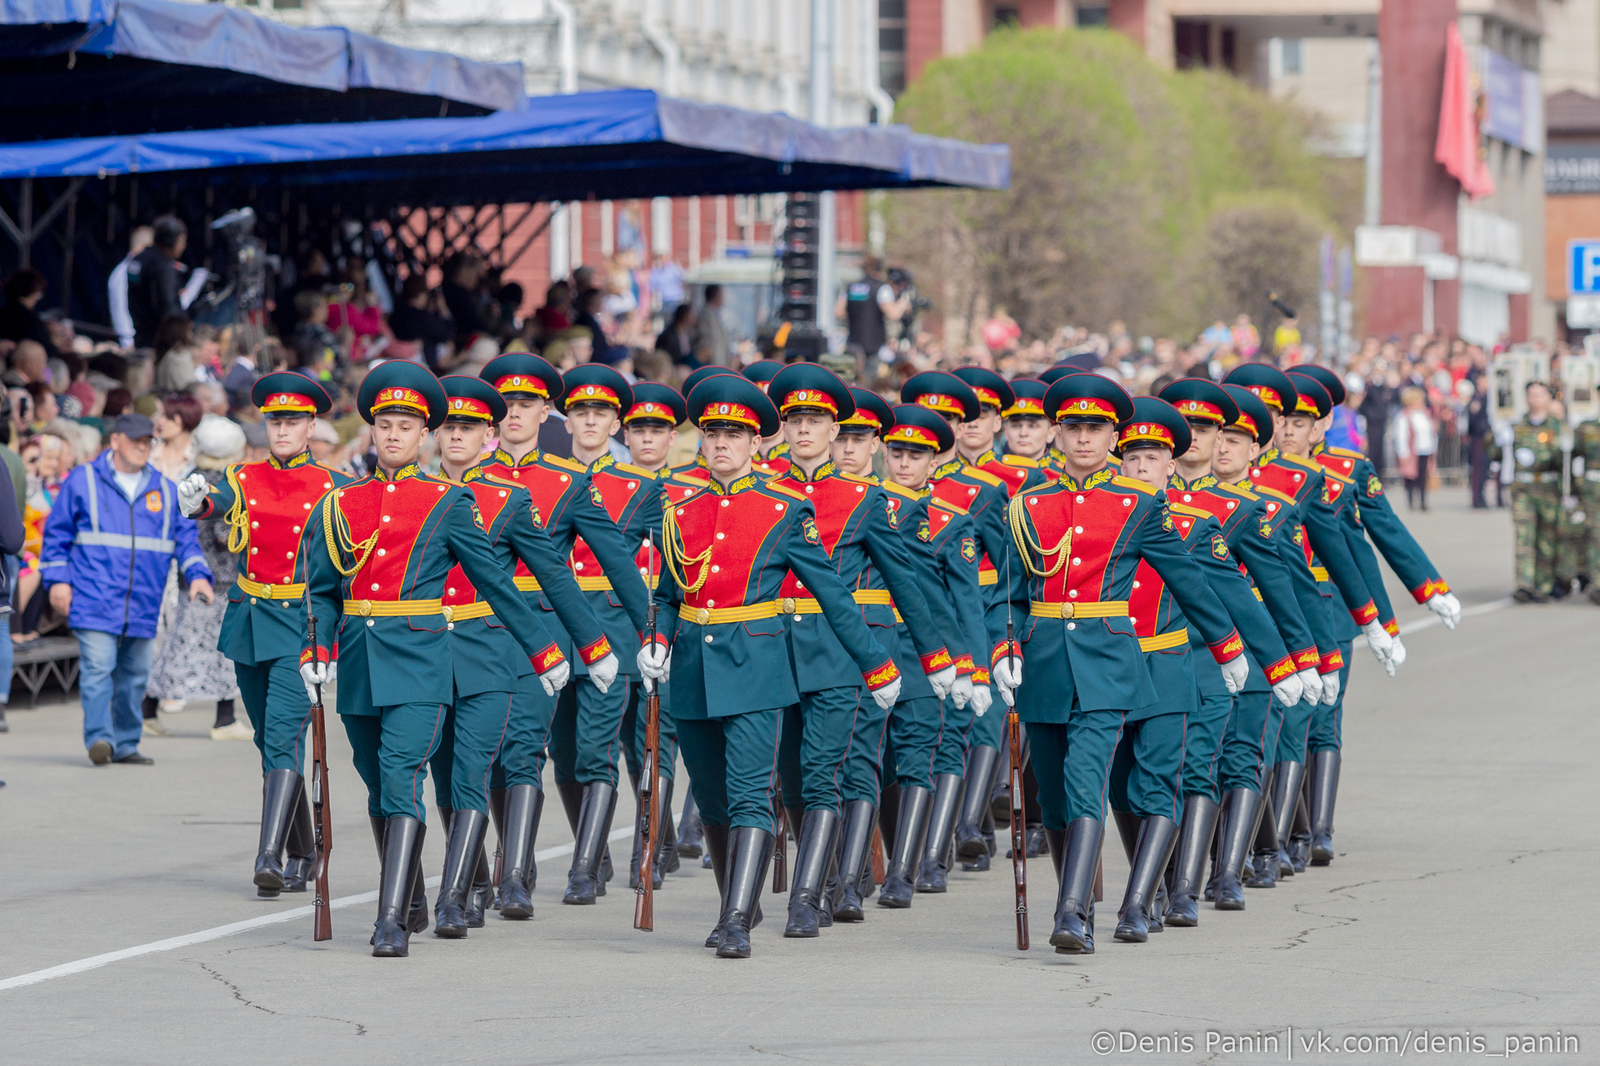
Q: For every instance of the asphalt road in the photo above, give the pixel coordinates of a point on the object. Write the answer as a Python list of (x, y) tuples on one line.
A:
[(1460, 908)]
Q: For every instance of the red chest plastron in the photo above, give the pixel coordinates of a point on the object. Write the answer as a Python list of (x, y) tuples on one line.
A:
[(729, 536), (835, 501), (1086, 526), (395, 511), (277, 502)]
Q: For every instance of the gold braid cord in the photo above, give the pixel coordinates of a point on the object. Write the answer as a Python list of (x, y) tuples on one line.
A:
[(336, 532), (237, 518), (673, 556), (1027, 546)]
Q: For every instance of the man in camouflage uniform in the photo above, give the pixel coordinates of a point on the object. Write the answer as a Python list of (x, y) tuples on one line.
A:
[(1586, 486), (1535, 494)]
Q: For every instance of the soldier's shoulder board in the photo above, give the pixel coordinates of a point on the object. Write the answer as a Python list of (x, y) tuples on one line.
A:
[(1185, 509), (1300, 460), (564, 464), (635, 471), (1239, 491), (1133, 483), (785, 490), (899, 490), (984, 476), (857, 478), (936, 504)]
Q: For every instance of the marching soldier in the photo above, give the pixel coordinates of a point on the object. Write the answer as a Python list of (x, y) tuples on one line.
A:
[(726, 551), (571, 505), (773, 457), (1535, 459), (266, 505), (1077, 544), (488, 673), (1146, 793), (1373, 516), (975, 439), (378, 553), (649, 429), (1223, 423), (927, 770), (833, 736), (1028, 433), (1586, 485)]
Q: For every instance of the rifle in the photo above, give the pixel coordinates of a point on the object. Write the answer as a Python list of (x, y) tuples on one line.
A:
[(649, 781), (780, 851), (877, 855), (1019, 830), (321, 813)]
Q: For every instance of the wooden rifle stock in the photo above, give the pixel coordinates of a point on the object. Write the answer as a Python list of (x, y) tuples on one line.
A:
[(878, 871), (321, 810), (1019, 831), (644, 904), (780, 851)]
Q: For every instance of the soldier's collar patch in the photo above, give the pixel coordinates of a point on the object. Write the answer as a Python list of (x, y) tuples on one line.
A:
[(289, 464), (503, 456), (1204, 481), (825, 470), (604, 461), (749, 481), (954, 466), (1099, 477), (409, 470)]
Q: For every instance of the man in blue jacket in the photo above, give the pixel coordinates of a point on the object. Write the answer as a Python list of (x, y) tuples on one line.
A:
[(108, 544)]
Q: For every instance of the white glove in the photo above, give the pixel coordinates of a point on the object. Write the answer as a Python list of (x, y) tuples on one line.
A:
[(888, 695), (555, 679), (314, 674), (1310, 685), (981, 699), (193, 490), (1446, 606), (1379, 640), (604, 671), (1289, 690), (1007, 674), (1235, 672), (1397, 655), (943, 681), (962, 691), (1330, 688), (654, 662)]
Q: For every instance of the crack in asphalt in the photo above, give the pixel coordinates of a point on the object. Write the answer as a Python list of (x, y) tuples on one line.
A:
[(239, 996)]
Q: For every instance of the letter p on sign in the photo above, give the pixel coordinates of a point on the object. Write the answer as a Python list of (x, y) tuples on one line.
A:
[(1583, 266)]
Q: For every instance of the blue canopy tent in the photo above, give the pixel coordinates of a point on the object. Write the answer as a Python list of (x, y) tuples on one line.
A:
[(87, 68)]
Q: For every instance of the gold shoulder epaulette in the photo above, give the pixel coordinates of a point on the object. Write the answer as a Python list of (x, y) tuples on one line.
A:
[(1301, 460), (1133, 483), (1268, 490), (1238, 490), (565, 464), (1022, 461), (1184, 508), (945, 505), (786, 490), (984, 475), (857, 478), (1348, 453), (638, 471), (900, 490)]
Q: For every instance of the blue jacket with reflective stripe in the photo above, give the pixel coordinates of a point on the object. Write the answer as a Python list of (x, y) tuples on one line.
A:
[(115, 552)]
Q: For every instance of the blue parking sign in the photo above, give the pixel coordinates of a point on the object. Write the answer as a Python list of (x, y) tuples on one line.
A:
[(1583, 266)]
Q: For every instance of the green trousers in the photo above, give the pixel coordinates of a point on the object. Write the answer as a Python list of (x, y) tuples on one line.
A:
[(913, 740), (816, 745), (1147, 768), (391, 750), (1202, 744), (1535, 520), (1072, 764), (1251, 731), (474, 730), (275, 700), (521, 758), (586, 735), (1327, 722), (731, 762)]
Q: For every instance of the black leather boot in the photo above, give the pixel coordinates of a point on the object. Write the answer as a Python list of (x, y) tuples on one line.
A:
[(981, 763), (301, 864), (583, 880), (1285, 801), (1262, 868), (497, 815), (933, 875), (716, 841), (524, 805), (1155, 838), (1194, 844), (1239, 809), (1129, 826), (1299, 845), (278, 791), (986, 831), (1324, 792), (1074, 929), (812, 856), (691, 836), (666, 839), (571, 795), (1056, 843), (909, 834), (749, 851), (460, 863), (402, 857), (481, 896), (855, 851), (419, 889)]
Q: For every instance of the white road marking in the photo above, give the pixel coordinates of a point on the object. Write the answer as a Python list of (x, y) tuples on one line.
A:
[(94, 962), (1433, 619)]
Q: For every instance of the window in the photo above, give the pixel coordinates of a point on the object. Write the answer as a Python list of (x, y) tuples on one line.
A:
[(892, 46), (1006, 15), (1292, 56), (1093, 15)]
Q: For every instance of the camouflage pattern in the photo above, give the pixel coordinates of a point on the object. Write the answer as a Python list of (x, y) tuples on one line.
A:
[(1586, 486), (1536, 513)]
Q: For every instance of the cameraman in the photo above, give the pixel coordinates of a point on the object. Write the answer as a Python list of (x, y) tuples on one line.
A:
[(153, 279), (869, 305)]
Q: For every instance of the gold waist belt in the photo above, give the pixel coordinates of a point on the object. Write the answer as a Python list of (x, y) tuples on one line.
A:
[(1163, 641), (392, 608), (1100, 609), (271, 592)]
